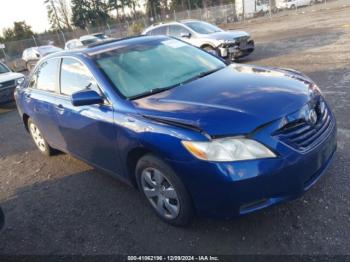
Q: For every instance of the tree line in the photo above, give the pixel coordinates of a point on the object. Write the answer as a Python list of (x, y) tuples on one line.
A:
[(66, 15)]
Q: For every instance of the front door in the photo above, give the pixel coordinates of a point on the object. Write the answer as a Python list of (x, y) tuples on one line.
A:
[(89, 131)]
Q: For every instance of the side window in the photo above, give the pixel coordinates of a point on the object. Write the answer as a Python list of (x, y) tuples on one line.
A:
[(45, 76), (177, 31), (76, 77), (162, 30)]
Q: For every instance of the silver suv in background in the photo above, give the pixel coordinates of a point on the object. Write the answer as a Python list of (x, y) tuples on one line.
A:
[(33, 54), (229, 45), (8, 82)]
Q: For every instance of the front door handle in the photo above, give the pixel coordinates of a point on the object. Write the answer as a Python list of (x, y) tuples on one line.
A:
[(27, 96), (60, 109)]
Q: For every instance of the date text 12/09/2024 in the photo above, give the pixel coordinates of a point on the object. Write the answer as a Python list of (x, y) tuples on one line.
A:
[(173, 258)]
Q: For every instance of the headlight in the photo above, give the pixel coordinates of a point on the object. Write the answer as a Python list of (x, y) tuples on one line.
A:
[(313, 88), (228, 149), (20, 81), (230, 41)]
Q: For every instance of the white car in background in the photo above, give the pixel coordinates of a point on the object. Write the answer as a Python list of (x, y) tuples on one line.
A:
[(33, 54), (8, 82), (229, 45), (85, 40), (292, 4)]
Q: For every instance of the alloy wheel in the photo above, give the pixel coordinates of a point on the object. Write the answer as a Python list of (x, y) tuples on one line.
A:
[(37, 137)]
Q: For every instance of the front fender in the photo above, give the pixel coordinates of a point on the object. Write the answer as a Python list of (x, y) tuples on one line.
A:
[(162, 139)]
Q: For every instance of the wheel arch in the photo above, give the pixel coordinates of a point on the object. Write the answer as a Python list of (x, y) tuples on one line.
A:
[(25, 119), (132, 158), (208, 44)]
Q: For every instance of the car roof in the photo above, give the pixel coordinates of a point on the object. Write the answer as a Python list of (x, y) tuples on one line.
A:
[(182, 22), (154, 26), (103, 46), (190, 20)]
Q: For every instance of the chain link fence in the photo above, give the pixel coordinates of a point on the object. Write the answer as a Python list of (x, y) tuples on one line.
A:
[(239, 12)]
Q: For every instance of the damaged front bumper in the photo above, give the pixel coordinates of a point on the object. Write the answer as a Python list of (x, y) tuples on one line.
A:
[(233, 50)]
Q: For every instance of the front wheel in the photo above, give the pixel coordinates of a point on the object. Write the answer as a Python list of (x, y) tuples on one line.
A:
[(39, 139), (164, 191)]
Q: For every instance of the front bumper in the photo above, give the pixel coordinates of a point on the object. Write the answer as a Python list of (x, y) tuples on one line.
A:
[(234, 51), (227, 190)]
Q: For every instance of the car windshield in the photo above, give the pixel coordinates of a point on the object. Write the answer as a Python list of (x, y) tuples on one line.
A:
[(101, 36), (155, 65), (3, 69), (90, 41), (203, 27)]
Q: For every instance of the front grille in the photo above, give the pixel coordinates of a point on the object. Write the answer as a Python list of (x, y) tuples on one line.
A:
[(242, 42), (304, 136), (6, 84)]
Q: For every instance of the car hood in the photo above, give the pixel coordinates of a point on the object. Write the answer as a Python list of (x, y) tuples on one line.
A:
[(9, 76), (226, 35), (234, 100)]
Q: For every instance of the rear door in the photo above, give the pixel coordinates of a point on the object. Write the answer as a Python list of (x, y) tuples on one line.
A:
[(88, 131), (41, 97)]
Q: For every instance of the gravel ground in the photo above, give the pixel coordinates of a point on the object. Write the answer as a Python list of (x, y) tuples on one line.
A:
[(60, 205)]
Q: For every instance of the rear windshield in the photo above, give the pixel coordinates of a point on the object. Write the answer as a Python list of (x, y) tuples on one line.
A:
[(142, 68)]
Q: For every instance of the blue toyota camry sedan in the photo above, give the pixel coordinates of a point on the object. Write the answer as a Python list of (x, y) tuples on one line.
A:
[(196, 136)]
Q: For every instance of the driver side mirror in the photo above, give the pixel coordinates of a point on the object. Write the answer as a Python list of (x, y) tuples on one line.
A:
[(86, 97), (186, 35)]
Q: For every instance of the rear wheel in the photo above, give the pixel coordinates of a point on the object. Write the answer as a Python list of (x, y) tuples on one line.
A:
[(164, 191), (39, 139)]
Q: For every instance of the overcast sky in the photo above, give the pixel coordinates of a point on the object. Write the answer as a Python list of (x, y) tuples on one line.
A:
[(31, 11)]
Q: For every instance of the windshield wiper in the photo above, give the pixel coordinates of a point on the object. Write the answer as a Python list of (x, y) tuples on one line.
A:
[(161, 89), (152, 92), (202, 74)]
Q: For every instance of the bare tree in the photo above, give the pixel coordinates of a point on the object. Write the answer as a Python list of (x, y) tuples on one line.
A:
[(59, 14)]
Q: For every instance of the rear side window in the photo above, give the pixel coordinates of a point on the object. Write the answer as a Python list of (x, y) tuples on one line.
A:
[(76, 77), (45, 76), (159, 31), (177, 31)]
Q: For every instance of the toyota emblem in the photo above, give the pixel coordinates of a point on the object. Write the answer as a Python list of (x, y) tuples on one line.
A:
[(312, 117)]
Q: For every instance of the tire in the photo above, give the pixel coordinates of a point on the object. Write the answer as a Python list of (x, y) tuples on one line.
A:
[(293, 7), (210, 49), (39, 139), (167, 196)]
